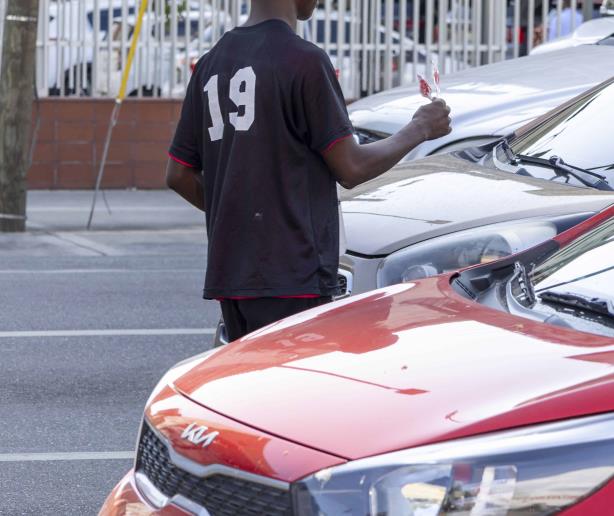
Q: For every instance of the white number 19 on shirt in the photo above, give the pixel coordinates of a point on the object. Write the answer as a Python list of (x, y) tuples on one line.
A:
[(242, 93)]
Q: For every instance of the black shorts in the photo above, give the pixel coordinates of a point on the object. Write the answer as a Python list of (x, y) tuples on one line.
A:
[(243, 316)]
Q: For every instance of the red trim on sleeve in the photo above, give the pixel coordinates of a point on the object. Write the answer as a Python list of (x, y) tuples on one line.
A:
[(175, 158), (335, 142)]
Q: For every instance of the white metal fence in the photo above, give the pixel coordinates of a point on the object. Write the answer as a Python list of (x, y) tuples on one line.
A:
[(373, 44)]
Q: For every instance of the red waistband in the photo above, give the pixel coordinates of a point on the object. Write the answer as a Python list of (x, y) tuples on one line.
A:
[(242, 298)]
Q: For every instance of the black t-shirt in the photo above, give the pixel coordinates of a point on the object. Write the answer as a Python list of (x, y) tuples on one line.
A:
[(261, 109)]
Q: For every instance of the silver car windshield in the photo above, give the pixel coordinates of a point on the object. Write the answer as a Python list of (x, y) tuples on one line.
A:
[(580, 134), (584, 268)]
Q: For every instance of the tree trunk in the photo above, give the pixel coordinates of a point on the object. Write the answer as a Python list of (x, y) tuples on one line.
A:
[(16, 95)]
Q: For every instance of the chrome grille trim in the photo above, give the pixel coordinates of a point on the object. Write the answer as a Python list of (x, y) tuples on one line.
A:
[(213, 469), (348, 279), (160, 500)]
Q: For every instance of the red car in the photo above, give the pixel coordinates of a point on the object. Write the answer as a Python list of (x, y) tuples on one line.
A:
[(488, 391)]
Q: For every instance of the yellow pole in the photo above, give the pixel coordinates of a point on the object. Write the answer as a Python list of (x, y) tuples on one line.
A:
[(135, 40), (118, 101)]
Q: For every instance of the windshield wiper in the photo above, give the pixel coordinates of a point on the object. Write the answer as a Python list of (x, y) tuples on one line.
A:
[(593, 304), (586, 177)]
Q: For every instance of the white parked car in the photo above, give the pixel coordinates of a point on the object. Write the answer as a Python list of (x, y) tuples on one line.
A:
[(597, 31), (68, 55)]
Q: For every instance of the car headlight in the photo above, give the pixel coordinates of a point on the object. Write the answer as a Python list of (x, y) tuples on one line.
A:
[(536, 470), (457, 250)]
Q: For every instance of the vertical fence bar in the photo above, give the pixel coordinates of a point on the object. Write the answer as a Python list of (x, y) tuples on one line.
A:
[(171, 64), (402, 41), (377, 38), (137, 70), (327, 11), (389, 8), (217, 20), (95, 51), (544, 21), (516, 28), (502, 11), (442, 9), (341, 58), (429, 29), (364, 55), (477, 5), (416, 38), (44, 85), (123, 52), (530, 26), (465, 33), (453, 32), (559, 16), (371, 47), (574, 10), (491, 31), (160, 45), (61, 57), (149, 34), (87, 48), (355, 84), (73, 38), (201, 27), (109, 47)]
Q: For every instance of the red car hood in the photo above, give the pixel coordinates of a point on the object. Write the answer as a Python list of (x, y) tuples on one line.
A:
[(403, 366)]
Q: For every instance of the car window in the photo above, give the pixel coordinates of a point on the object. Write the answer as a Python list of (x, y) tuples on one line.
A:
[(580, 134), (586, 265)]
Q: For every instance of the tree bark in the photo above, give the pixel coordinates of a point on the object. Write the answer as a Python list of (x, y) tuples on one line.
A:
[(16, 96)]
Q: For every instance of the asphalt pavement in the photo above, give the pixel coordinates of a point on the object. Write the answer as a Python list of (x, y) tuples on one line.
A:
[(90, 320)]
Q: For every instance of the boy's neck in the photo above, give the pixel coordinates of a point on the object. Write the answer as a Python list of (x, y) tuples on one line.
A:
[(280, 10)]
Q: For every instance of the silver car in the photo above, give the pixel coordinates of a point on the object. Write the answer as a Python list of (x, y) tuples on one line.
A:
[(482, 203), (479, 204), (490, 101)]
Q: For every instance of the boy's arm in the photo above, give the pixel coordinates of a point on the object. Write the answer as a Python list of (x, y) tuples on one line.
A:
[(353, 164), (187, 182)]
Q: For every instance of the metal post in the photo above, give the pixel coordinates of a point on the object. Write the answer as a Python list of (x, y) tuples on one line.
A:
[(117, 107)]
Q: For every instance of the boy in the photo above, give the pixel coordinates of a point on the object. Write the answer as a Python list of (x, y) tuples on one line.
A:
[(265, 121)]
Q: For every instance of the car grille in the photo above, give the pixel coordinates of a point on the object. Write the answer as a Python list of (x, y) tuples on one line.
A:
[(219, 494), (344, 283)]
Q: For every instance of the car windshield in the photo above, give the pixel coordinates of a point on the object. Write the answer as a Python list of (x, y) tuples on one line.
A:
[(579, 134), (579, 279)]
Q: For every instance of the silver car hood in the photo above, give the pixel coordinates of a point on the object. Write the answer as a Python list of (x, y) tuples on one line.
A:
[(442, 194), (493, 99)]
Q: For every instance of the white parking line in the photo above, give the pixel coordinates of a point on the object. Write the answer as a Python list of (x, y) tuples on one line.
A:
[(97, 271), (106, 333), (45, 457)]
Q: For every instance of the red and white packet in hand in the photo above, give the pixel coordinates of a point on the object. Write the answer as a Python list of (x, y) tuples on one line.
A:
[(425, 86)]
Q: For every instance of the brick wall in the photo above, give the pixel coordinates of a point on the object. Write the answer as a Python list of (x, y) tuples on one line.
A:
[(71, 140)]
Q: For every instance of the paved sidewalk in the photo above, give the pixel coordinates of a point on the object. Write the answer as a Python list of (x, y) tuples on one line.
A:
[(141, 222)]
